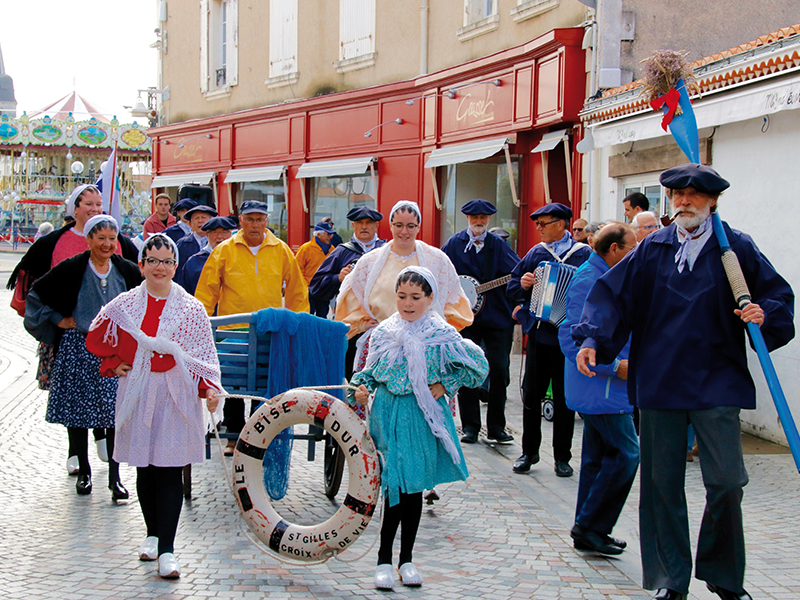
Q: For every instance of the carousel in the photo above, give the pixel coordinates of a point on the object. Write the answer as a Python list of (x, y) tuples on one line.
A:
[(44, 155)]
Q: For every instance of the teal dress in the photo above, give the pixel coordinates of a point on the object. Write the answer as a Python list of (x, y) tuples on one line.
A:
[(413, 459)]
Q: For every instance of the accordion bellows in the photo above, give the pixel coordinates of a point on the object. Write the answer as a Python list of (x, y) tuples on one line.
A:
[(549, 293)]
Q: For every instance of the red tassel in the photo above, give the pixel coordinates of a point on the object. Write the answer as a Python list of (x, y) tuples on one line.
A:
[(671, 100)]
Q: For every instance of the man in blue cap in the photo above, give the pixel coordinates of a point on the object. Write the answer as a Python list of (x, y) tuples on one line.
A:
[(182, 227), (545, 362), (484, 257), (309, 258), (325, 283), (688, 365), (217, 229), (193, 242)]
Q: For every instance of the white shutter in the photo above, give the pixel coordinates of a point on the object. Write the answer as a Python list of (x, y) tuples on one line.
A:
[(232, 49), (356, 28), (282, 37), (204, 44)]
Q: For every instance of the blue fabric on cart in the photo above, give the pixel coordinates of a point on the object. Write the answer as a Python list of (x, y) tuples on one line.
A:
[(304, 343)]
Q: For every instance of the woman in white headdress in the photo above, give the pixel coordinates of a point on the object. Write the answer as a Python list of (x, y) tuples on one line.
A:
[(367, 295), (415, 361)]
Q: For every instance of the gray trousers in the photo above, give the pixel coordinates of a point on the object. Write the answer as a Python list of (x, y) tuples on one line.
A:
[(663, 519)]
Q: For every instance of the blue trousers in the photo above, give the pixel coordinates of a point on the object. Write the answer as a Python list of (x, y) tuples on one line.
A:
[(609, 460)]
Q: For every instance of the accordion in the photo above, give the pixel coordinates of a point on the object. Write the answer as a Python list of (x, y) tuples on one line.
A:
[(549, 293)]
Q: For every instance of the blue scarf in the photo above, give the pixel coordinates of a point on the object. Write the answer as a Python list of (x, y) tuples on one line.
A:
[(325, 247), (562, 245)]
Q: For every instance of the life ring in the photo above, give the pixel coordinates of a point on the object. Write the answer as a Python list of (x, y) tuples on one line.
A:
[(317, 542)]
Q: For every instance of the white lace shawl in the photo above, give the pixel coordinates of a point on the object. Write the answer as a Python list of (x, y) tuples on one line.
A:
[(396, 338), (362, 278), (183, 331)]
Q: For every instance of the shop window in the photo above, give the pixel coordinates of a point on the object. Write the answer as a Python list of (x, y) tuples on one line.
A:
[(334, 197), (271, 193), (480, 16), (487, 179), (659, 203), (356, 35), (282, 42), (219, 53)]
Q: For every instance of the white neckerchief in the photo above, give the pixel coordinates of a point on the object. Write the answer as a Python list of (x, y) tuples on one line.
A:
[(691, 243), (370, 245), (475, 240), (397, 338), (101, 276), (201, 240), (185, 226)]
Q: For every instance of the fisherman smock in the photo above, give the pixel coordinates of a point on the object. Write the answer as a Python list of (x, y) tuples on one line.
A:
[(413, 458), (325, 284), (309, 258), (241, 282)]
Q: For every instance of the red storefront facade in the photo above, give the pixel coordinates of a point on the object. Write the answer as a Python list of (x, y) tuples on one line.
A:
[(519, 95)]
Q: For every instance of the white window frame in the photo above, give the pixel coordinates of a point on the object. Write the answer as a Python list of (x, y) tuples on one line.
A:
[(480, 17), (283, 64), (526, 9), (639, 183), (356, 35), (219, 47)]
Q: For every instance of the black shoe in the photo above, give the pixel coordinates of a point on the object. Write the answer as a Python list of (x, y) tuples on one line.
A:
[(667, 594), (524, 462), (589, 540), (501, 437), (84, 485), (118, 491), (611, 540), (563, 469), (469, 437), (727, 594)]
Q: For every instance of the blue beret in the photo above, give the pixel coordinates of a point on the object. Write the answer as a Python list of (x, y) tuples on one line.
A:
[(184, 204), (323, 226), (252, 206), (554, 209), (219, 223), (702, 178), (198, 209), (499, 232), (478, 207), (364, 212)]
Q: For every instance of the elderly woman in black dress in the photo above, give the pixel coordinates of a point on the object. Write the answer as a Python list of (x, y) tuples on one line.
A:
[(60, 307)]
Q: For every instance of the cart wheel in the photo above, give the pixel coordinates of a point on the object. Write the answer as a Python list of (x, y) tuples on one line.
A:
[(548, 410), (334, 466)]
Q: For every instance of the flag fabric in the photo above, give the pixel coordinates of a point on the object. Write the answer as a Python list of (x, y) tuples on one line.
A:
[(108, 184)]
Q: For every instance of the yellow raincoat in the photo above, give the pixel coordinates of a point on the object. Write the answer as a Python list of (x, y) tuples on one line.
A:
[(310, 257), (241, 282)]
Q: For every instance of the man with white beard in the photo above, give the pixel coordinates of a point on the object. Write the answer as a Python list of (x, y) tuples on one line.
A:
[(485, 257), (688, 365)]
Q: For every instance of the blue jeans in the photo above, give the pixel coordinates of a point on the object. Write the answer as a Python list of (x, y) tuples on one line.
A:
[(609, 460)]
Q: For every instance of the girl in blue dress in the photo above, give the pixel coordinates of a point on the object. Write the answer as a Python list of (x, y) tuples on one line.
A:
[(415, 361)]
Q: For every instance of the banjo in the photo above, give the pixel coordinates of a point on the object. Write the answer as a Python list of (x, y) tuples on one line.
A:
[(474, 291)]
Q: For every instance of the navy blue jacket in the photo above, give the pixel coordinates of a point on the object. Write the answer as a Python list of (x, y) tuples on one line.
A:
[(495, 260), (188, 273), (187, 247), (543, 332), (324, 285), (604, 394), (174, 232), (687, 346)]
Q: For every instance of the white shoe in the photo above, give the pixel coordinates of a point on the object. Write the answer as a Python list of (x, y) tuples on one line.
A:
[(149, 548), (409, 575), (72, 465), (384, 577), (168, 566), (102, 450)]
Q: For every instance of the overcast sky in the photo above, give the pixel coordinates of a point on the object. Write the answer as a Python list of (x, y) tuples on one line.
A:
[(103, 45)]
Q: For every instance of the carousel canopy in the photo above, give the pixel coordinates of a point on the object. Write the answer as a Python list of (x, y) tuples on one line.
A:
[(81, 109)]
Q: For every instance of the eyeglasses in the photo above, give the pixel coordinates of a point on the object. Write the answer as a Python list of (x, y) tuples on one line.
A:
[(577, 229), (407, 226), (639, 227), (542, 224), (154, 262)]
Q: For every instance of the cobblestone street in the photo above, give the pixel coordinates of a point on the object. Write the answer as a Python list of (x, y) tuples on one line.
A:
[(498, 535)]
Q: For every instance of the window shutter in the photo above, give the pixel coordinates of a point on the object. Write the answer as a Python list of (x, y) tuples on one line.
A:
[(204, 44), (356, 28), (282, 37), (232, 50)]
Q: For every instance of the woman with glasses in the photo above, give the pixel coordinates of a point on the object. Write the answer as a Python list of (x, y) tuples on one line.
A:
[(59, 309), (367, 295), (157, 338)]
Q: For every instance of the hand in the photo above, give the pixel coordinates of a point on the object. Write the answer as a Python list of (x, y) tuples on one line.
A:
[(527, 281), (67, 323), (622, 369), (362, 394), (437, 389), (122, 369), (212, 400), (515, 311), (370, 324), (752, 313), (344, 273), (587, 358)]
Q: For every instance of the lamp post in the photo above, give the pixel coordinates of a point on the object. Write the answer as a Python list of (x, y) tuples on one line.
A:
[(149, 111)]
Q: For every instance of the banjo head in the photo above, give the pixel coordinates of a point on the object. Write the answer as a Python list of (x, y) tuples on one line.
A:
[(469, 285)]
